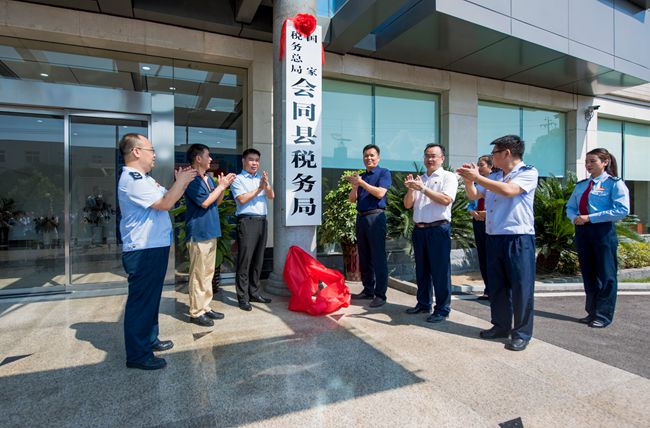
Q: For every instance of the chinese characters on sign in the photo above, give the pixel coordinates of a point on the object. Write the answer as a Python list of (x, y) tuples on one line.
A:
[(303, 101)]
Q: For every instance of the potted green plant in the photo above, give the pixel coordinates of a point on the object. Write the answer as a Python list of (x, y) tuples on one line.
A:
[(339, 219), (97, 212), (8, 213)]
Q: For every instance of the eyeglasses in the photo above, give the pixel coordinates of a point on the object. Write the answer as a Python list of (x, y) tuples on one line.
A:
[(432, 157), (494, 152), (144, 148)]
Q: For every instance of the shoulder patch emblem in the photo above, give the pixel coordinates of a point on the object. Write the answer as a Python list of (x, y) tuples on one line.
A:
[(136, 175)]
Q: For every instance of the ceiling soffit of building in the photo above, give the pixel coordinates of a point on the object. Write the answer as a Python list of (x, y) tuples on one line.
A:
[(414, 32), (405, 31)]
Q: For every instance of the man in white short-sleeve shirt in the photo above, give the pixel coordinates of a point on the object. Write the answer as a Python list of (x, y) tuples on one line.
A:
[(431, 196)]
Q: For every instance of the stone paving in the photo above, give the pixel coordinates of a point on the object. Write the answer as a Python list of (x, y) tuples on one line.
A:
[(62, 364)]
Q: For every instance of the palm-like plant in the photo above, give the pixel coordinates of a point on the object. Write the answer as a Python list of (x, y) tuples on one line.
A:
[(554, 231)]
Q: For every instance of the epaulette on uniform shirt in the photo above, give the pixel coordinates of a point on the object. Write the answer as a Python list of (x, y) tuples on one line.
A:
[(614, 178), (136, 175), (527, 167)]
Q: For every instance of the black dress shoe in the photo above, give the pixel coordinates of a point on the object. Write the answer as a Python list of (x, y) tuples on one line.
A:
[(585, 320), (202, 320), (245, 306), (517, 345), (153, 363), (436, 318), (418, 310), (162, 345), (214, 315), (483, 297), (362, 296), (597, 324), (493, 333), (377, 302), (260, 299)]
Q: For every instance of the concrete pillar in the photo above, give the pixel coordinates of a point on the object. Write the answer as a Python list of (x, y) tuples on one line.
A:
[(284, 237), (460, 119), (582, 136)]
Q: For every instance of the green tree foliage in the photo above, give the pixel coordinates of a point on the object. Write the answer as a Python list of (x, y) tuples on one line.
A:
[(339, 215)]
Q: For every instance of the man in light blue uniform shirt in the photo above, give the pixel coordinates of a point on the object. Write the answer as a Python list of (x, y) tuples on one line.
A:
[(510, 228), (251, 191), (146, 232)]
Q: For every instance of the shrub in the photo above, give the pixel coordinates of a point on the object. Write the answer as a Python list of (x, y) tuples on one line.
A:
[(633, 255)]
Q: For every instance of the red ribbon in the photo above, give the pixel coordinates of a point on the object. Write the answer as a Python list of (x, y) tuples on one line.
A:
[(305, 25)]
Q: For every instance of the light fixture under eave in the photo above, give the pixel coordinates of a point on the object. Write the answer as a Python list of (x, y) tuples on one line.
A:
[(213, 109), (45, 75), (146, 68), (172, 88)]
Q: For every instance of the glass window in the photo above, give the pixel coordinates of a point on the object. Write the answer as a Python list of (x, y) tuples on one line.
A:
[(637, 151), (347, 123), (543, 131), (495, 120), (405, 122), (610, 137)]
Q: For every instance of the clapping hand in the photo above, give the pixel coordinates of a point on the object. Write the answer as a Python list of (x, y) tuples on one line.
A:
[(413, 183), (469, 172), (185, 175), (226, 180), (354, 179), (264, 181)]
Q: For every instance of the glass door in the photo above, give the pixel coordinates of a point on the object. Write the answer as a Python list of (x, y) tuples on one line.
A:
[(95, 167), (31, 201)]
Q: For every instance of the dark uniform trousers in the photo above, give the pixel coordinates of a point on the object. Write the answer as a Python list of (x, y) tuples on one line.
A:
[(146, 270), (432, 250), (597, 253), (251, 242), (479, 237), (511, 281), (371, 243)]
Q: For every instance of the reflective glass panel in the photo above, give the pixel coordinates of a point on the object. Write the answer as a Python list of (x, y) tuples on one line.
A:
[(95, 165), (31, 201), (405, 122), (347, 123), (495, 120), (544, 133), (637, 151), (610, 137)]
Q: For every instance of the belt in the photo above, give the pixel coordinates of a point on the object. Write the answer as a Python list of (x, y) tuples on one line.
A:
[(243, 216), (370, 212), (432, 224)]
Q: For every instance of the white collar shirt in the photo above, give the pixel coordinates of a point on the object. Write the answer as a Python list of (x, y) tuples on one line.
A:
[(427, 211)]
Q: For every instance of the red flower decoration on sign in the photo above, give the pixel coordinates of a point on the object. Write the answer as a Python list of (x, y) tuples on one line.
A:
[(305, 24)]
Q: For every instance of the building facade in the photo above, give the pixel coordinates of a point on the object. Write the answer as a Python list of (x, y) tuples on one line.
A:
[(568, 76)]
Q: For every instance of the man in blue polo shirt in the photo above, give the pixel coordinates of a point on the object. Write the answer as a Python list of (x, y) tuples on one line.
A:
[(146, 232), (202, 197), (369, 192)]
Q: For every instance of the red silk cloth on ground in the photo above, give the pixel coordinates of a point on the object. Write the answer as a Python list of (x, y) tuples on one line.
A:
[(303, 275)]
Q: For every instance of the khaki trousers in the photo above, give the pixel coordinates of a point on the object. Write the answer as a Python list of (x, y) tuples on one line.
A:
[(202, 264)]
